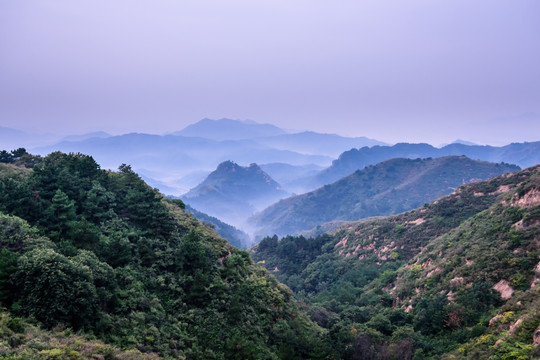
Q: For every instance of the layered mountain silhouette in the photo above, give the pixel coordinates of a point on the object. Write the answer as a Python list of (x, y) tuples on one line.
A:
[(228, 129), (171, 157), (309, 142), (461, 273), (521, 154), (233, 192), (390, 187), (200, 147)]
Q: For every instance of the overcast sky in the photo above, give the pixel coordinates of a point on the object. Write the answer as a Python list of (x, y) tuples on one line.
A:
[(393, 70)]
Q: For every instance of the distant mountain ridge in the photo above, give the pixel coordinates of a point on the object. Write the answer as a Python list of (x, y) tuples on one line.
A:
[(228, 129), (207, 143), (387, 188), (521, 154), (171, 156), (315, 143)]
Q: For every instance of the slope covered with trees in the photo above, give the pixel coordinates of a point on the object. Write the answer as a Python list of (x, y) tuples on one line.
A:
[(522, 154), (102, 253), (455, 279), (387, 188)]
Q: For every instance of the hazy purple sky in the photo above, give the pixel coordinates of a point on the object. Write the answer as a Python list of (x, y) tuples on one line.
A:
[(394, 70)]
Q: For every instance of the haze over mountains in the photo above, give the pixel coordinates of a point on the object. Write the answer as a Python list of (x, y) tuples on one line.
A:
[(446, 280), (298, 161), (232, 192), (182, 159), (387, 188), (521, 154)]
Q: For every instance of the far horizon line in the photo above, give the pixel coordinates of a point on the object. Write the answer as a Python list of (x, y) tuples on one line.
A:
[(121, 132)]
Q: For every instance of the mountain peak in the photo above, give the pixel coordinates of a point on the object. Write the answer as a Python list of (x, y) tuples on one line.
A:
[(227, 165), (236, 191), (229, 129)]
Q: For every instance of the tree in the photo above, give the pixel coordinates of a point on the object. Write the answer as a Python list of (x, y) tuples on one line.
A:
[(56, 289)]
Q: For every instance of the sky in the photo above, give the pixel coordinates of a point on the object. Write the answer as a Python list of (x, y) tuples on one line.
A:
[(418, 71)]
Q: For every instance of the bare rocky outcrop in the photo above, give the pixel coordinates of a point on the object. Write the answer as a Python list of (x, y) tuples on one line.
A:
[(515, 327), (530, 199), (504, 288), (536, 336), (536, 278)]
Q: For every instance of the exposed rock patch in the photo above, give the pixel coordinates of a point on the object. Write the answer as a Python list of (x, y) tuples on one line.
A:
[(536, 336), (504, 288), (417, 221), (530, 199), (536, 278), (515, 327)]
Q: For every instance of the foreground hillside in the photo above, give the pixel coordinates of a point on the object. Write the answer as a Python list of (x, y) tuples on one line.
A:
[(387, 188), (456, 279), (105, 255)]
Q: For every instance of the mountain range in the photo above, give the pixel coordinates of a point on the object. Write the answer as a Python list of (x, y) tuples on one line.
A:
[(200, 147), (521, 154), (457, 278), (102, 255), (390, 187), (179, 161)]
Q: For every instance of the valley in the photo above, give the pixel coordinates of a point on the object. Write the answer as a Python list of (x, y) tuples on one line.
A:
[(408, 258)]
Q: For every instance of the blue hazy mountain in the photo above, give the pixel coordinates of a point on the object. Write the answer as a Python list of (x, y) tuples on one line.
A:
[(233, 192), (81, 137), (387, 188), (170, 157), (522, 154), (306, 142), (309, 142), (228, 129), (11, 139)]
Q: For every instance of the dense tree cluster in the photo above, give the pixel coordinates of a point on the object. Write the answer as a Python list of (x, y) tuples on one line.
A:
[(103, 253)]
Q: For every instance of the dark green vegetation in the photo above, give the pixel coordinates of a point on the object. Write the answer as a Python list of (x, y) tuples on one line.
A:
[(233, 192), (458, 278), (387, 188), (236, 237), (522, 154), (105, 255)]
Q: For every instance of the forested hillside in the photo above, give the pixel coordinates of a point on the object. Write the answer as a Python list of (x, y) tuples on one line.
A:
[(522, 154), (387, 188), (455, 279), (103, 254)]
